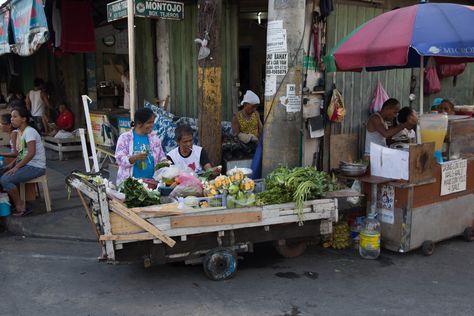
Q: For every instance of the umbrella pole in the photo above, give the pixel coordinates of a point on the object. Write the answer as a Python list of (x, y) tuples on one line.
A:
[(131, 56), (422, 83)]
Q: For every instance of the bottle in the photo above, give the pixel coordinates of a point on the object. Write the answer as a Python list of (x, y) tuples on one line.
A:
[(369, 245), (356, 227)]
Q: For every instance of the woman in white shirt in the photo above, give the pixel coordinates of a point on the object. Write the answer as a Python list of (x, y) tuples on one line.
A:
[(30, 162)]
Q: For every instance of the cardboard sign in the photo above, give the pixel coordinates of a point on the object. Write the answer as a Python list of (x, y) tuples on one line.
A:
[(453, 176)]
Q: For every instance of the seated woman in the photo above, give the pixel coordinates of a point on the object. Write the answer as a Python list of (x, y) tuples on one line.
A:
[(12, 132), (30, 162), (246, 124), (187, 154), (139, 150), (65, 119), (447, 107)]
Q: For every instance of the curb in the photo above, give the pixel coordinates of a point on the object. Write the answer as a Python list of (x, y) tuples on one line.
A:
[(17, 228)]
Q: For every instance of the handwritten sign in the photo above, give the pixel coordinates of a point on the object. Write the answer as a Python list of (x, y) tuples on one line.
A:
[(453, 176)]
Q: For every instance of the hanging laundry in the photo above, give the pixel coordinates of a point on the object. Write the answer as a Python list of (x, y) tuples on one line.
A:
[(326, 7), (30, 29), (77, 26), (4, 41)]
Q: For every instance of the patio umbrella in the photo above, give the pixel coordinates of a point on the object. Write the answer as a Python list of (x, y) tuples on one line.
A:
[(401, 38)]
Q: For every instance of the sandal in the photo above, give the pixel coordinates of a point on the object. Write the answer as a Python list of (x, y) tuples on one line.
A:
[(27, 211)]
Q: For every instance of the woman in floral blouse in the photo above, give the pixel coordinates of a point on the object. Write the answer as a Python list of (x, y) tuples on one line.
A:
[(139, 150)]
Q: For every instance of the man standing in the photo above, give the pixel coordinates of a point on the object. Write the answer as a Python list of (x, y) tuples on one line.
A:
[(37, 103)]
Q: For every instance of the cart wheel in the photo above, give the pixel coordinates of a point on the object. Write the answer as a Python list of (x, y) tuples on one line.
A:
[(290, 249), (428, 247), (468, 234), (220, 264)]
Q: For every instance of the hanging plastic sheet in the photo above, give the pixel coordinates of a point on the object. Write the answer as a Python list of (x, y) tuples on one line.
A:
[(30, 28), (4, 22)]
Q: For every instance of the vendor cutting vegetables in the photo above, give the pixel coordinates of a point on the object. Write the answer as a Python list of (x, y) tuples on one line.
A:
[(189, 155), (377, 128), (139, 150)]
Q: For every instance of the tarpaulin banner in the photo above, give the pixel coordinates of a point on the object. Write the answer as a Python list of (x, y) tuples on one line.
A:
[(30, 28), (4, 21)]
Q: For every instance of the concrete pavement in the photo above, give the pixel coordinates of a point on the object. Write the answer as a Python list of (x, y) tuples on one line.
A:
[(68, 219)]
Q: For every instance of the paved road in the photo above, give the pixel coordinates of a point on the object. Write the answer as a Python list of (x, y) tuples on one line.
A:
[(59, 277)]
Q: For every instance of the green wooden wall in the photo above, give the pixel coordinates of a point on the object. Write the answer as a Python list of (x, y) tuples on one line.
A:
[(183, 61), (145, 60)]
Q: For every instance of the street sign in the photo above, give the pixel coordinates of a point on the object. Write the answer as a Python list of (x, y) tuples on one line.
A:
[(159, 9), (146, 8), (116, 10)]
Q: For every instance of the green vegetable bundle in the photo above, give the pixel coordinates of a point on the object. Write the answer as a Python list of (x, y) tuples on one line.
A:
[(137, 194), (297, 185)]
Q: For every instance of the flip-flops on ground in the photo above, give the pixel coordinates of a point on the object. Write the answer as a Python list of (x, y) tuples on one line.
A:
[(27, 211)]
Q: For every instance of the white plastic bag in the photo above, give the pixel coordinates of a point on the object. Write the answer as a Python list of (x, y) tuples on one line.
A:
[(4, 198)]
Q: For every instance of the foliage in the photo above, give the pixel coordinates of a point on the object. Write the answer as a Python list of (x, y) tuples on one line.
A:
[(297, 185), (137, 193)]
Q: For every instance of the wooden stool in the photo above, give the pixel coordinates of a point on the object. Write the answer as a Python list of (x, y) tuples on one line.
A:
[(44, 182)]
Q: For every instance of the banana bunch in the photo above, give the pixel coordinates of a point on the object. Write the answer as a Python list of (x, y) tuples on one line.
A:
[(247, 185), (341, 236), (236, 177)]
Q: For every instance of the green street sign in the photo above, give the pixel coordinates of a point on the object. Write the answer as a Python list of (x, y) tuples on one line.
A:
[(116, 10), (146, 8), (159, 9)]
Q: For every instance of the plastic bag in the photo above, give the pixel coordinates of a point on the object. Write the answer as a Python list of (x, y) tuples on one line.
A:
[(336, 109), (241, 200), (451, 70), (432, 83), (188, 186), (380, 97), (167, 174)]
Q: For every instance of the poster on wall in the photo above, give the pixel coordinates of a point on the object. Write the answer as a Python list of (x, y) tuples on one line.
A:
[(123, 124), (4, 22), (102, 129), (30, 28)]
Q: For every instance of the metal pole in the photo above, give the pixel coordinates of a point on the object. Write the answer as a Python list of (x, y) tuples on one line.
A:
[(85, 103), (422, 79), (131, 55)]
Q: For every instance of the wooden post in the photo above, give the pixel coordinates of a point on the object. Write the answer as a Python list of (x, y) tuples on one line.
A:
[(209, 80)]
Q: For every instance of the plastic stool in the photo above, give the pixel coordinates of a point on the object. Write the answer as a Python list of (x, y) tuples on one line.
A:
[(44, 182)]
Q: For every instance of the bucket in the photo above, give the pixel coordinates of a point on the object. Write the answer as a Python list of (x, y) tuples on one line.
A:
[(4, 209)]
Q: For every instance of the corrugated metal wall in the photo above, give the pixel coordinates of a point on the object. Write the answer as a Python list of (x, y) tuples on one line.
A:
[(358, 88), (183, 61)]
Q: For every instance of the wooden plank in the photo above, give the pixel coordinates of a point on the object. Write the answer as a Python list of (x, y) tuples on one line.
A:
[(137, 220), (344, 147), (421, 162), (122, 226), (215, 219), (129, 237)]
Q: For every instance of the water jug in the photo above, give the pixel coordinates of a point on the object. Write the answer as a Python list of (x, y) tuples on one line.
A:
[(433, 128)]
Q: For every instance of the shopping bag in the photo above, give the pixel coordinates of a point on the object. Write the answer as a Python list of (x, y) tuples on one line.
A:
[(451, 70), (336, 109), (432, 83), (380, 97)]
